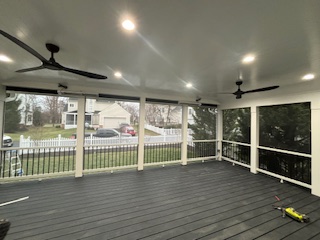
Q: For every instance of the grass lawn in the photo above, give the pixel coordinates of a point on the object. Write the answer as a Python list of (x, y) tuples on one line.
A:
[(42, 133), (47, 132)]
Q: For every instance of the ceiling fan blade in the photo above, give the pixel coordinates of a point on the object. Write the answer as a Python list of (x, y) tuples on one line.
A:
[(30, 69), (261, 89), (23, 45), (83, 73)]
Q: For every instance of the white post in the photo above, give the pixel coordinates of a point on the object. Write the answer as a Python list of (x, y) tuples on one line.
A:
[(315, 149), (2, 110), (219, 127), (59, 140), (184, 130), (21, 141), (254, 156), (142, 114), (80, 137)]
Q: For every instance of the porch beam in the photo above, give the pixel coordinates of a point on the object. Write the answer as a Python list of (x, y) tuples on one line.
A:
[(142, 114), (254, 156), (80, 137), (315, 149), (184, 135)]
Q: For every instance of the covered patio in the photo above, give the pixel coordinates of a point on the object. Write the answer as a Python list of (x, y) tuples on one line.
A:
[(259, 140)]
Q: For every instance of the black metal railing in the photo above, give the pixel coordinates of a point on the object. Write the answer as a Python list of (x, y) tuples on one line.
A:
[(236, 151), (108, 156), (36, 161), (287, 165), (162, 152), (201, 149)]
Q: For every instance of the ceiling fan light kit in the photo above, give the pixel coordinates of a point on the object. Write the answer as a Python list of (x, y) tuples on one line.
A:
[(50, 64)]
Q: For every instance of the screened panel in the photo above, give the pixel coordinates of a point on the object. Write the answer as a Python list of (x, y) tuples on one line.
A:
[(202, 122), (236, 125), (286, 127)]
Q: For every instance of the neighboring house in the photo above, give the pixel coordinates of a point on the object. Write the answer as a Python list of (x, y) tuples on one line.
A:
[(99, 114), (191, 113), (25, 109)]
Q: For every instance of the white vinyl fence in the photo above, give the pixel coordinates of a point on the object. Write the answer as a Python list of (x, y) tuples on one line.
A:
[(166, 131), (91, 140)]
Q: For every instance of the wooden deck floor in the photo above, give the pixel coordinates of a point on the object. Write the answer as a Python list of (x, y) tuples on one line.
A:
[(212, 200)]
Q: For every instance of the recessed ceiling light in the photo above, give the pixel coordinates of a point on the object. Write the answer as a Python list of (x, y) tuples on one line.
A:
[(118, 74), (128, 25), (4, 58), (189, 85), (308, 76), (248, 59)]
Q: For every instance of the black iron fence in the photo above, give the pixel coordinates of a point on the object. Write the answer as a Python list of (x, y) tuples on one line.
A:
[(19, 162), (236, 151), (201, 149), (162, 152), (36, 161), (287, 165), (109, 156)]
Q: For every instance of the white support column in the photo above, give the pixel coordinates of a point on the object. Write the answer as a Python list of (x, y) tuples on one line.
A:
[(315, 149), (2, 109), (142, 115), (184, 135), (219, 127), (254, 156), (80, 136)]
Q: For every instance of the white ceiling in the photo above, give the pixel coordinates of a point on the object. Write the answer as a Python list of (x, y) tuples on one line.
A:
[(175, 42)]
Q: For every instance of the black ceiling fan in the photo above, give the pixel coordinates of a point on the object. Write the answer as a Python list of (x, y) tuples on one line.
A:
[(51, 63), (239, 92)]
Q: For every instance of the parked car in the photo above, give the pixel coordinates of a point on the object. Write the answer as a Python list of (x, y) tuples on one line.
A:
[(110, 132), (128, 129), (74, 135), (7, 141), (123, 125)]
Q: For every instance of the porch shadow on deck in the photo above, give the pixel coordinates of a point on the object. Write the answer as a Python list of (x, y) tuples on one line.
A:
[(212, 200)]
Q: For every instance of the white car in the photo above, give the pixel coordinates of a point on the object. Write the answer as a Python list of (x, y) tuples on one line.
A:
[(7, 141)]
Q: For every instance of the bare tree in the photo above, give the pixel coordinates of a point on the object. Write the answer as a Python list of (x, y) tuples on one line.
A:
[(54, 108), (133, 109), (156, 114), (153, 113)]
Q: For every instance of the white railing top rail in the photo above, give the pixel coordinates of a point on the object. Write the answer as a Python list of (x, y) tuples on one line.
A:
[(112, 145), (239, 143), (285, 151), (150, 143), (209, 140), (35, 148)]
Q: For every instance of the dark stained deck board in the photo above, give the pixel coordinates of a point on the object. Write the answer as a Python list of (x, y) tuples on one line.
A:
[(211, 200)]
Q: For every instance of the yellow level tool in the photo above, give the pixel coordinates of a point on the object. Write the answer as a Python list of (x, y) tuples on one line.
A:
[(292, 213)]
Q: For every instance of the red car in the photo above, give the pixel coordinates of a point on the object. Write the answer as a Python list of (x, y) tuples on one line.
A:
[(128, 129)]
